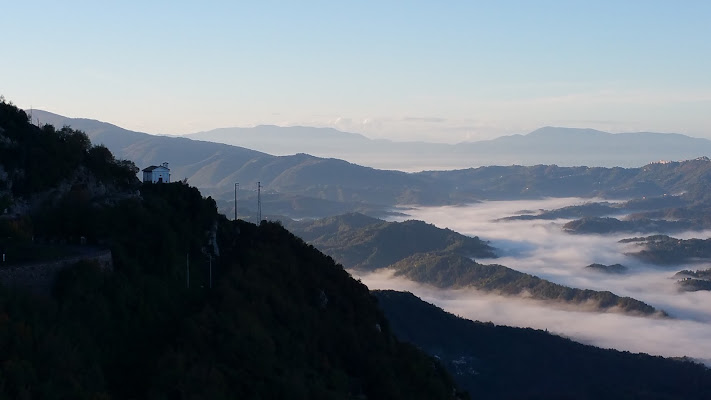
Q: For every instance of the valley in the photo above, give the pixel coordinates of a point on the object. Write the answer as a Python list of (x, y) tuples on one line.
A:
[(507, 245), (355, 200), (443, 258), (543, 249)]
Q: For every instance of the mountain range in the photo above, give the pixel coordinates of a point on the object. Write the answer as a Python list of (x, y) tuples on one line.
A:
[(547, 145), (215, 168), (197, 306)]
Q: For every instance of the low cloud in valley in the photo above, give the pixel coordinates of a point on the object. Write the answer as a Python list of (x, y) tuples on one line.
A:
[(542, 248)]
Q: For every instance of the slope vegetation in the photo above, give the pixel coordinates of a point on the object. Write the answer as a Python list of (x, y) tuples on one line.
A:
[(441, 257), (452, 271), (216, 167), (361, 242), (197, 306), (666, 250), (499, 362)]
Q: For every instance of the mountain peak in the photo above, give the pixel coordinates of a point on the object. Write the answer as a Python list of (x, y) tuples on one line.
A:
[(555, 131)]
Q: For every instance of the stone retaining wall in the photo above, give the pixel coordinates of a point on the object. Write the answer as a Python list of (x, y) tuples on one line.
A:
[(39, 277)]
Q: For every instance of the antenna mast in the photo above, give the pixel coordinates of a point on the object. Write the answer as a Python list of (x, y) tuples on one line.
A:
[(259, 202), (236, 187)]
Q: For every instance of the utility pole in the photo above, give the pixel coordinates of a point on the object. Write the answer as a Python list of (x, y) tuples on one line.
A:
[(236, 187), (210, 271), (187, 268), (259, 202)]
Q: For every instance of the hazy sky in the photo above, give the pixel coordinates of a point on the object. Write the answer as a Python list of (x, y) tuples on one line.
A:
[(445, 71)]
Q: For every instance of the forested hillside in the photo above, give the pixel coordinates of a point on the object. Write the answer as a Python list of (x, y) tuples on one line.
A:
[(214, 168), (426, 254), (202, 307), (666, 250), (500, 362), (456, 272), (365, 243), (197, 306)]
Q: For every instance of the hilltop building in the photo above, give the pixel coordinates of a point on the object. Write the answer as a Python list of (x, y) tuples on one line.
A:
[(157, 174)]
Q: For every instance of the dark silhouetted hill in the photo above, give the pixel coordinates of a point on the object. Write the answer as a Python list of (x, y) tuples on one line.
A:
[(196, 307), (499, 362)]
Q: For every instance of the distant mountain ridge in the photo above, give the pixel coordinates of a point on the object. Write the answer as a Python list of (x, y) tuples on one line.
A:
[(281, 140), (557, 140), (547, 145), (215, 168)]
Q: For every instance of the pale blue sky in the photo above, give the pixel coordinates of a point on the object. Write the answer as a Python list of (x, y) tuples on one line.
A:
[(409, 70)]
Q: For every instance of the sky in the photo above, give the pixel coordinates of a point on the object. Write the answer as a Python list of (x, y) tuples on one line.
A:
[(403, 70)]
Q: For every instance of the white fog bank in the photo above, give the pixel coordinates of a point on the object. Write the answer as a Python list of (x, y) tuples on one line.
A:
[(656, 336), (541, 248)]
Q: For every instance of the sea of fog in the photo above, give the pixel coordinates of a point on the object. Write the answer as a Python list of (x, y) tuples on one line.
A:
[(542, 248)]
